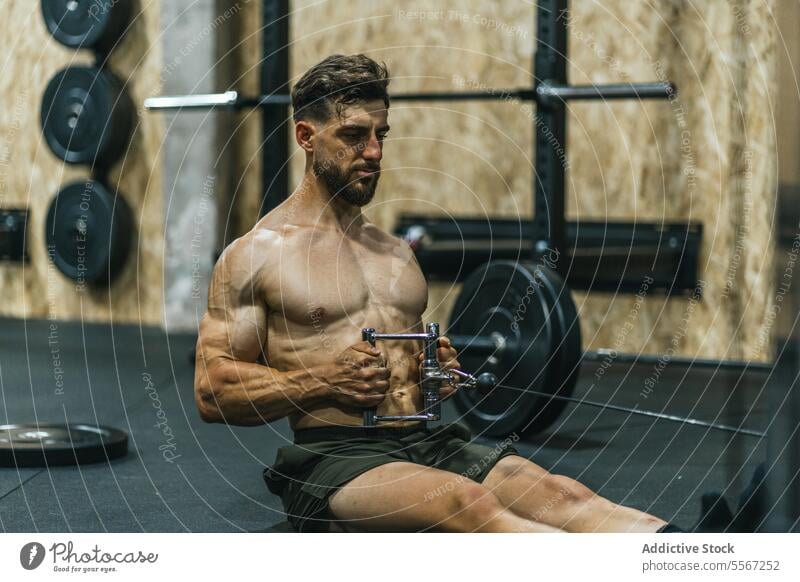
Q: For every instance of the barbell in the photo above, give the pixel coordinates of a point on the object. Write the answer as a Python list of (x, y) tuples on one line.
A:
[(544, 93), (518, 321)]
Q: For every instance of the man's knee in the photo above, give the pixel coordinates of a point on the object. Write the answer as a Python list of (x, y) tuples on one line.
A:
[(555, 489), (568, 490), (514, 466), (471, 506)]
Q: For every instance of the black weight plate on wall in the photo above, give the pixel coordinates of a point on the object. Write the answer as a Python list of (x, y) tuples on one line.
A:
[(89, 233), (89, 24), (87, 117)]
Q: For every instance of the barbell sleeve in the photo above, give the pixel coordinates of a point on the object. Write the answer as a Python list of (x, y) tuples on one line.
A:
[(548, 94), (206, 101), (480, 345)]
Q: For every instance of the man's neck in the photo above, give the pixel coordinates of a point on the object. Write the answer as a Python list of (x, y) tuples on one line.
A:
[(318, 207)]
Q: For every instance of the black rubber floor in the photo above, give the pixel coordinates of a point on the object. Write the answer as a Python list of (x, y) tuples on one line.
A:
[(185, 475)]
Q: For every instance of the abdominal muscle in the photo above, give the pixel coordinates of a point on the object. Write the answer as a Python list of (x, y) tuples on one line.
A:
[(402, 399), (400, 402)]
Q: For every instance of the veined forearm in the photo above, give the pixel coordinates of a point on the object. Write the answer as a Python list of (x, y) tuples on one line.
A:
[(251, 394)]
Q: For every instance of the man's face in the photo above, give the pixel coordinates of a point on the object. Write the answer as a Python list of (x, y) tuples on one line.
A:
[(348, 152)]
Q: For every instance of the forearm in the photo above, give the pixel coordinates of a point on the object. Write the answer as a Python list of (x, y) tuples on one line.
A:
[(249, 394)]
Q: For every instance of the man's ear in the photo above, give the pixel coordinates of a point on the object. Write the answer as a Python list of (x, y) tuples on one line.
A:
[(304, 133)]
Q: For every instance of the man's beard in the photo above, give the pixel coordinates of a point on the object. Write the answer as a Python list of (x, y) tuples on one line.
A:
[(348, 186)]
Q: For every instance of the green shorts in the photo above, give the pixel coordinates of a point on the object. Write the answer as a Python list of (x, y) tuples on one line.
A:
[(322, 460)]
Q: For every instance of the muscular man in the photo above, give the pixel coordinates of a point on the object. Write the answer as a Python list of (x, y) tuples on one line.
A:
[(286, 307)]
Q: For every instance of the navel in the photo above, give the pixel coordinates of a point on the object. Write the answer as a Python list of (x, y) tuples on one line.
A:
[(317, 314)]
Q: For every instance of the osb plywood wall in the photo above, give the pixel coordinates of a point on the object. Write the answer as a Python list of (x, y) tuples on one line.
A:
[(788, 49), (30, 176), (709, 155)]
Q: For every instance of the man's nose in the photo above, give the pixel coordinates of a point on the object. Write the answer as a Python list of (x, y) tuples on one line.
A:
[(373, 149)]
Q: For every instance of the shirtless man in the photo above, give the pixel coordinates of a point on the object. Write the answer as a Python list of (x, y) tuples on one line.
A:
[(281, 338)]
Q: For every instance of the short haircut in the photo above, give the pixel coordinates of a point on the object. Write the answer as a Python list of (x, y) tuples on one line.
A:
[(337, 82)]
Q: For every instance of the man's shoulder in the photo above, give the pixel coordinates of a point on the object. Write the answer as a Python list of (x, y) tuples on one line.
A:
[(254, 242), (246, 255), (381, 235), (261, 248)]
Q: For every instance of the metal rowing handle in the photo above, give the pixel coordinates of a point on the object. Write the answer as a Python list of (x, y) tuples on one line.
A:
[(370, 414), (432, 376)]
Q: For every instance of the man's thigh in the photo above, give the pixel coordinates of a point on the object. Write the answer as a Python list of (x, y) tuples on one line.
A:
[(403, 496)]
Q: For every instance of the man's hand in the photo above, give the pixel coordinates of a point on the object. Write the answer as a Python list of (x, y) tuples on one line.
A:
[(359, 377), (447, 356)]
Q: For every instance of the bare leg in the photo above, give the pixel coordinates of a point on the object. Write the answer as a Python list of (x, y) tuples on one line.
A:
[(408, 497), (531, 492)]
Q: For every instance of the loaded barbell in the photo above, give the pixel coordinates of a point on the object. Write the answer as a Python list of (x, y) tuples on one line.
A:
[(518, 321)]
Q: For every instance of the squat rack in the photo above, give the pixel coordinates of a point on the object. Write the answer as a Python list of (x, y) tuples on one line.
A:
[(550, 91)]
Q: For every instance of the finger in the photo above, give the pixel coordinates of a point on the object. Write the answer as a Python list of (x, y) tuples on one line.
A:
[(369, 400), (375, 373), (381, 386), (444, 341), (372, 360), (376, 389), (366, 348), (450, 364)]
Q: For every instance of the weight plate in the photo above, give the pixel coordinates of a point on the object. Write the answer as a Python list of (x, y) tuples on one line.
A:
[(564, 364), (31, 445), (86, 116), (90, 24), (505, 298), (88, 232)]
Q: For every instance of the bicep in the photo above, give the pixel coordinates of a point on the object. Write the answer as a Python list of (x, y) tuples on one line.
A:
[(235, 326), (237, 334)]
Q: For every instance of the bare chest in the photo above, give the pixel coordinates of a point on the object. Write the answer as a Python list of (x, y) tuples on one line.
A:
[(328, 280)]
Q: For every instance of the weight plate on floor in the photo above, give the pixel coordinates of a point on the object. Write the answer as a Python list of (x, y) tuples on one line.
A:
[(89, 232), (86, 116), (31, 445), (90, 24), (506, 298)]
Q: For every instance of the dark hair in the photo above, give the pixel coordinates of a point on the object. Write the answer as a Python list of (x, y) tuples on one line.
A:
[(338, 81)]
